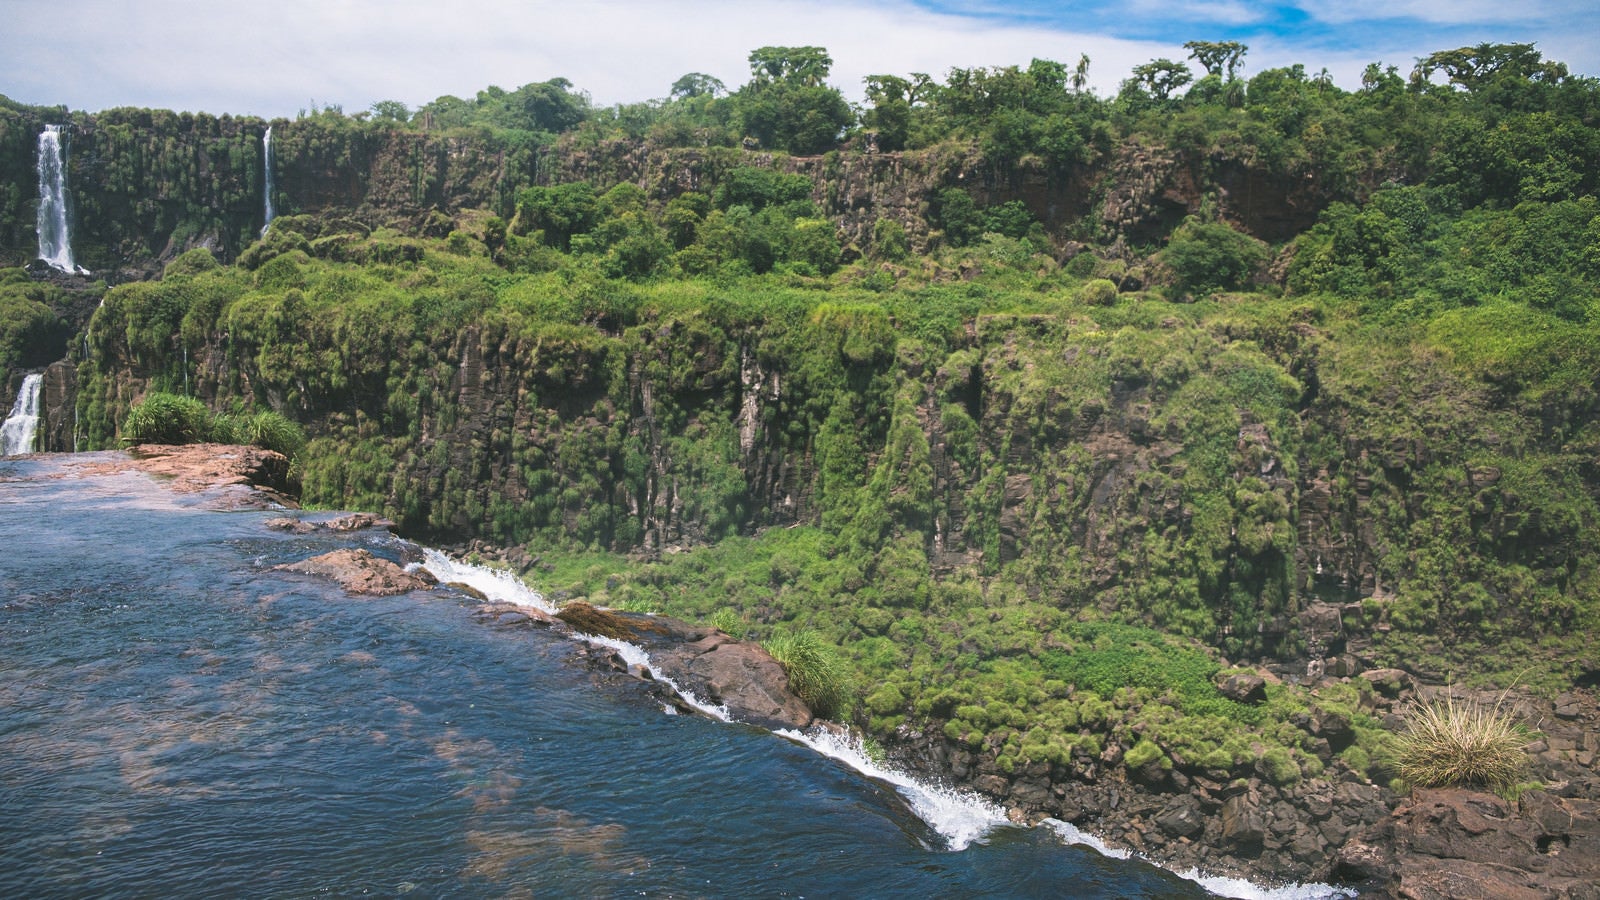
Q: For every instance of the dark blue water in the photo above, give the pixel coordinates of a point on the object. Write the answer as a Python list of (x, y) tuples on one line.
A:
[(177, 720)]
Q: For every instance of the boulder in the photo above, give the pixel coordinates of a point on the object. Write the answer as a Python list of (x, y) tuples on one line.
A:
[(359, 572), (1244, 827), (1243, 687), (1389, 682), (1182, 817)]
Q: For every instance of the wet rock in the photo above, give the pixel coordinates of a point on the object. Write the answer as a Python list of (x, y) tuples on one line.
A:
[(359, 572), (293, 526)]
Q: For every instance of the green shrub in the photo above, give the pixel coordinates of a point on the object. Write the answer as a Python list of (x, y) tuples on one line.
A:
[(1453, 743), (1144, 753), (1279, 767), (816, 674), (1099, 292), (728, 622), (272, 431), (167, 419)]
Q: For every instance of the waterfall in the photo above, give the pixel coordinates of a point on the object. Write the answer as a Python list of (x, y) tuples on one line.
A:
[(266, 149), (55, 239), (16, 435)]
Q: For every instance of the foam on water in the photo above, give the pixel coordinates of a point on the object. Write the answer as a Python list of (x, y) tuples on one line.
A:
[(1071, 834), (1244, 890), (960, 817), (503, 586)]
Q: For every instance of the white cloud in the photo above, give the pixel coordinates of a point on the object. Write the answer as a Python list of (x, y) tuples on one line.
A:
[(1452, 12), (276, 60), (1220, 12)]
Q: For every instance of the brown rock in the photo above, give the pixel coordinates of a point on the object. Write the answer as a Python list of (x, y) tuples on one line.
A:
[(1243, 825), (359, 572), (357, 521), (1389, 682), (1452, 843), (739, 675)]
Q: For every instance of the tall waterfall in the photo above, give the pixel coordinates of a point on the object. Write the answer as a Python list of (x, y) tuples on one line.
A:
[(266, 150), (55, 241), (16, 435)]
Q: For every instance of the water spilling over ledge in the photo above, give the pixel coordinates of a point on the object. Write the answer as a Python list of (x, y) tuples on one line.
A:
[(18, 434), (54, 220)]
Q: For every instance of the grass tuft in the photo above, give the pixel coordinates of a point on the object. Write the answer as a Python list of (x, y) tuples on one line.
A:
[(1459, 743), (816, 674)]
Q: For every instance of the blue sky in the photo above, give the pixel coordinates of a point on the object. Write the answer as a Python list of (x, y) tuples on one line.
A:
[(277, 58)]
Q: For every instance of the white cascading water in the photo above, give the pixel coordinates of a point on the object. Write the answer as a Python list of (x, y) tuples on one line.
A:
[(961, 817), (16, 435), (55, 239), (266, 151), (504, 587)]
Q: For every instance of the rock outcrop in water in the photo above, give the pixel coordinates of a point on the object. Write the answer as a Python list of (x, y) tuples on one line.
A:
[(362, 573), (737, 675)]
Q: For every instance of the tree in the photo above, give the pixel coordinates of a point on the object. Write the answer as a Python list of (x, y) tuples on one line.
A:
[(890, 116), (804, 66), (1218, 57), (391, 111), (547, 106), (1160, 77), (1208, 257), (1080, 74), (560, 211), (697, 84), (1475, 67)]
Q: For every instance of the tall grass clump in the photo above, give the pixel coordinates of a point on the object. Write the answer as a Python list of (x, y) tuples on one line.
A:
[(816, 674), (172, 419), (167, 419), (1459, 743), (271, 431)]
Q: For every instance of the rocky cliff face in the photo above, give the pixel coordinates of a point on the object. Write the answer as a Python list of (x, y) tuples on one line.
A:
[(148, 185)]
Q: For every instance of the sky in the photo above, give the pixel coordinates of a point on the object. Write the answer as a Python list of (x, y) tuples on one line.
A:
[(281, 57)]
